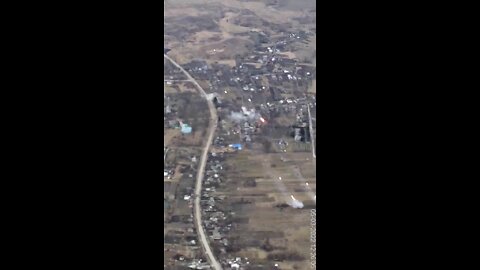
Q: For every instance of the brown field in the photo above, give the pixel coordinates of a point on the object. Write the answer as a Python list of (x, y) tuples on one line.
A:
[(169, 135), (292, 226), (198, 42)]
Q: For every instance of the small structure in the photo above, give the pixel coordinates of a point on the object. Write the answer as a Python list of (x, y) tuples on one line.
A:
[(298, 136), (236, 146), (216, 234), (186, 129)]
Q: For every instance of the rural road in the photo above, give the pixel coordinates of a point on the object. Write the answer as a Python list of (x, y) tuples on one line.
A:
[(203, 161), (165, 155), (312, 137)]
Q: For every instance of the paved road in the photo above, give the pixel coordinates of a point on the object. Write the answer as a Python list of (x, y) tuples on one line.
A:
[(203, 161)]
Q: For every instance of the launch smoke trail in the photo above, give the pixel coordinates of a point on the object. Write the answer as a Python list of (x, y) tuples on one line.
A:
[(310, 193), (291, 200)]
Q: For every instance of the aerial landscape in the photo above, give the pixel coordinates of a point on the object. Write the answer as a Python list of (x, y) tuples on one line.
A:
[(239, 134)]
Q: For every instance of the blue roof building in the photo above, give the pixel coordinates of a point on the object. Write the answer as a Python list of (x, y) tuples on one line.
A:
[(236, 146), (186, 129)]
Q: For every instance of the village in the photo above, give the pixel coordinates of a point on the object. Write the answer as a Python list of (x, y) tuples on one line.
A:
[(260, 177), (264, 117)]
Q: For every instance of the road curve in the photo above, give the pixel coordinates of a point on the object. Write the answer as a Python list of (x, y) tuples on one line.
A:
[(203, 161)]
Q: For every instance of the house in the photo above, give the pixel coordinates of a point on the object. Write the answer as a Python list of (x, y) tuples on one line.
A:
[(186, 129)]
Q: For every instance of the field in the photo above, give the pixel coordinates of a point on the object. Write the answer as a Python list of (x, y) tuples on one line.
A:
[(268, 227), (217, 30)]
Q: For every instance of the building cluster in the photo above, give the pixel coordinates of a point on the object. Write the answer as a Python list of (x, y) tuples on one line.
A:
[(268, 67), (170, 118), (181, 247), (262, 85)]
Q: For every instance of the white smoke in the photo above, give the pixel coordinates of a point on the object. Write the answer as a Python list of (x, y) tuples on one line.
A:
[(291, 200), (310, 193), (281, 186), (295, 203), (239, 117)]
